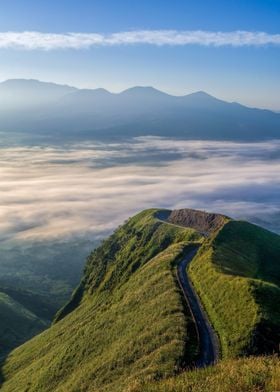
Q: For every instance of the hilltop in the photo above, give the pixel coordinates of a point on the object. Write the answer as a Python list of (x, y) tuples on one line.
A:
[(128, 324)]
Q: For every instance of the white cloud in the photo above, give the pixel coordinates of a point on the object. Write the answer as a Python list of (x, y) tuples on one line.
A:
[(32, 40), (97, 190)]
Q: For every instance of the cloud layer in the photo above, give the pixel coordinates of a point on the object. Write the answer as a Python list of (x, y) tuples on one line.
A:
[(90, 189), (32, 40)]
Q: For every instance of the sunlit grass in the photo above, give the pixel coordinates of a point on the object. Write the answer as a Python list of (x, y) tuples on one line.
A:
[(255, 374), (237, 275), (126, 327), (131, 321)]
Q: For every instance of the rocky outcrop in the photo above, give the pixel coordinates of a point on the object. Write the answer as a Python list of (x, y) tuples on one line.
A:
[(199, 220)]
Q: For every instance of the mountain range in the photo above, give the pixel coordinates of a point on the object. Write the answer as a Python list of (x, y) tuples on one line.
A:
[(37, 108)]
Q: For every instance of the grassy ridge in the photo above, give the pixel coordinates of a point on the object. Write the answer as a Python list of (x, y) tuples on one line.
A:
[(125, 327), (255, 374), (130, 321), (237, 275)]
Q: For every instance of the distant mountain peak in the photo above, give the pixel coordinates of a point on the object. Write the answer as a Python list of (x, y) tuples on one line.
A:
[(33, 83), (143, 90), (137, 111), (101, 90), (201, 95), (94, 91), (23, 93)]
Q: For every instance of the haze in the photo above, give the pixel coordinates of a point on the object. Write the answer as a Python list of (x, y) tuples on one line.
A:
[(229, 49), (89, 189)]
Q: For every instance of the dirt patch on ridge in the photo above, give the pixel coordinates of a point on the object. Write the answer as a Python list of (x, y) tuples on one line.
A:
[(199, 220)]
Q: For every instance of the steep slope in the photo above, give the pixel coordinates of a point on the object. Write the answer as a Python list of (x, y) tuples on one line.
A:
[(127, 317), (202, 221), (127, 324), (254, 374), (237, 275)]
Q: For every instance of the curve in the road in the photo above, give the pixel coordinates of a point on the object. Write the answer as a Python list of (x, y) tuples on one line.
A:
[(208, 341)]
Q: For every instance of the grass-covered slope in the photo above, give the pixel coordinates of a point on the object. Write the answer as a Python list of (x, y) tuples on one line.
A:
[(237, 275), (125, 321), (254, 374)]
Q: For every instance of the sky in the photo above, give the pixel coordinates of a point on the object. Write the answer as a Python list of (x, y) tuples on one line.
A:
[(231, 49)]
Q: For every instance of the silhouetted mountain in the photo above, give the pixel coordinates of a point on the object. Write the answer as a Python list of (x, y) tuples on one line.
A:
[(49, 108), (20, 93)]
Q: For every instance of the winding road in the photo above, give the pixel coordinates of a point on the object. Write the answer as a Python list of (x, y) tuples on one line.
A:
[(208, 340)]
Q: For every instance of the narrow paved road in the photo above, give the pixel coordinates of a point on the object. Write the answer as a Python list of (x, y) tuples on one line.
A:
[(208, 340)]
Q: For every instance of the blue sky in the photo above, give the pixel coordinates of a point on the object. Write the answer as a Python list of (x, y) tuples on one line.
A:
[(246, 73)]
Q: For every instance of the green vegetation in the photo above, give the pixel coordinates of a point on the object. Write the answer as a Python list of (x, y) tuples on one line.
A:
[(130, 322), (237, 275), (255, 374), (48, 269), (17, 324), (126, 327), (36, 279)]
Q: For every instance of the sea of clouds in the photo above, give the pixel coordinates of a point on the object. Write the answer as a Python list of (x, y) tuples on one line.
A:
[(89, 189)]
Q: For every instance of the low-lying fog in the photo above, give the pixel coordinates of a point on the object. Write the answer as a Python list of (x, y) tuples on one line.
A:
[(91, 188)]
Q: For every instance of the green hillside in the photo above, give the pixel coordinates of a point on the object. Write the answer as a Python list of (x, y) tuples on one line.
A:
[(36, 279), (42, 274), (130, 321), (17, 324), (127, 322), (237, 275), (254, 374)]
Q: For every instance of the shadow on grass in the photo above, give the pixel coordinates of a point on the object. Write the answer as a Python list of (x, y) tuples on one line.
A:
[(3, 358)]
